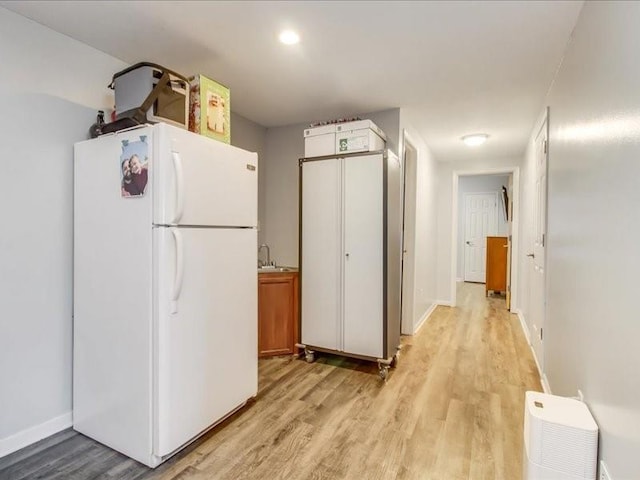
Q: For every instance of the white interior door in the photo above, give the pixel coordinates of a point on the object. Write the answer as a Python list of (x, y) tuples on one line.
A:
[(480, 210), (408, 241), (363, 256), (537, 257), (321, 282), (206, 345)]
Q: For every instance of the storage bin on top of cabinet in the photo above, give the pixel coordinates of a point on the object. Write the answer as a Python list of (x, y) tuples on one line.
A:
[(343, 138)]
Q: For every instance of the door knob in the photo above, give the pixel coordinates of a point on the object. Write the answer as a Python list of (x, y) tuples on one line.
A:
[(532, 255)]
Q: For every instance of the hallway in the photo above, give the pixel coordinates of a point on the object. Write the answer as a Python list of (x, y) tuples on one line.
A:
[(451, 410)]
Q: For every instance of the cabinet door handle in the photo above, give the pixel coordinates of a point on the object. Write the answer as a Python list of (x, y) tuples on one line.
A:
[(346, 255)]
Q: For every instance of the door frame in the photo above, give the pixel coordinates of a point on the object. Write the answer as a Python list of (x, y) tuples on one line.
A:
[(407, 275), (515, 225)]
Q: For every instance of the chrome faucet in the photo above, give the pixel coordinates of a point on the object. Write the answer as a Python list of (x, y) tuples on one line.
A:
[(268, 262)]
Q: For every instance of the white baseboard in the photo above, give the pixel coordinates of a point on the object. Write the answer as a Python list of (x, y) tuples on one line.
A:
[(444, 303), (525, 330), (523, 324), (459, 279), (545, 384), (33, 434), (424, 317)]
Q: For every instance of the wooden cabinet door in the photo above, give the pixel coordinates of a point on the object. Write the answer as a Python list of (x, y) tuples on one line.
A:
[(497, 264), (277, 312)]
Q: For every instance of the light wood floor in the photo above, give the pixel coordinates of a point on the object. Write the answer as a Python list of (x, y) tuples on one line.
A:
[(453, 409)]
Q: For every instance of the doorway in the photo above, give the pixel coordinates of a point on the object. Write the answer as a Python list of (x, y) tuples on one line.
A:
[(410, 165), (505, 205)]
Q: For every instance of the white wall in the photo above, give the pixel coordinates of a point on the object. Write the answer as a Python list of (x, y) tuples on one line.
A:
[(425, 287), (445, 186), (284, 146), (479, 184), (592, 327), (250, 136), (52, 87), (389, 122), (280, 171)]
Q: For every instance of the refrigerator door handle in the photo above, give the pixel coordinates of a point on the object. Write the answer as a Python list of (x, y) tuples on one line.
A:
[(177, 282), (177, 165)]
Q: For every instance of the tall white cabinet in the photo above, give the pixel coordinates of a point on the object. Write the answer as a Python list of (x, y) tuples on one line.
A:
[(350, 249)]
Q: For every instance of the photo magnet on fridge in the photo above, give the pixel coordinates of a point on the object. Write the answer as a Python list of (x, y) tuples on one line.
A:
[(134, 163)]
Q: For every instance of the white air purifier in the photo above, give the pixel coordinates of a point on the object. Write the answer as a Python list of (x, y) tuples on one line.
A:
[(560, 439)]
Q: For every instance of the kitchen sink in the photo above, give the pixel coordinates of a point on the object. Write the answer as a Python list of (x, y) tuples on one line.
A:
[(276, 268)]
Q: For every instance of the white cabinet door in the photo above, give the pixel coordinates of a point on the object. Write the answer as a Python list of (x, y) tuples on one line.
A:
[(363, 256), (206, 345), (321, 253)]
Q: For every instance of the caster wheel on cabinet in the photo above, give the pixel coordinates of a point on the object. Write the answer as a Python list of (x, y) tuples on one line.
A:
[(383, 372), (309, 356)]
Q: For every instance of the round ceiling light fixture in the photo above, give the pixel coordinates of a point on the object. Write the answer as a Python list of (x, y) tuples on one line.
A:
[(289, 37), (475, 139)]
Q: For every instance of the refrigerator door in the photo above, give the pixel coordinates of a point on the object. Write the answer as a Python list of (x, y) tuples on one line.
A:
[(200, 181), (206, 343)]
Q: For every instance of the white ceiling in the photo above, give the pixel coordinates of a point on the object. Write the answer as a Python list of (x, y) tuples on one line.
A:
[(457, 67)]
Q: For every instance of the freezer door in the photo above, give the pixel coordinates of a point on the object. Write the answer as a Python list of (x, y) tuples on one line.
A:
[(200, 181), (206, 344)]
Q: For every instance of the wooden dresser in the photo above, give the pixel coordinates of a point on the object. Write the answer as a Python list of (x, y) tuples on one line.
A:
[(497, 250), (278, 330)]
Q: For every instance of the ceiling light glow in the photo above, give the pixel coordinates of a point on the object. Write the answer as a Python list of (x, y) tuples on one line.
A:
[(475, 139), (289, 37)]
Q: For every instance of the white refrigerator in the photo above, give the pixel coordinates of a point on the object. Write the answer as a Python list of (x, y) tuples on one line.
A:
[(165, 288)]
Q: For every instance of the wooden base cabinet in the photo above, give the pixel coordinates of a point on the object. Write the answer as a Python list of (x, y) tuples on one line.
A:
[(277, 313), (497, 249)]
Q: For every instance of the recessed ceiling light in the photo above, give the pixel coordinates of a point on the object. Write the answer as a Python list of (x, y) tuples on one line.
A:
[(289, 37), (475, 139)]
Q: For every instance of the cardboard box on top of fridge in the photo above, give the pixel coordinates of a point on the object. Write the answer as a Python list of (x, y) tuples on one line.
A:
[(319, 141), (210, 108), (359, 136)]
